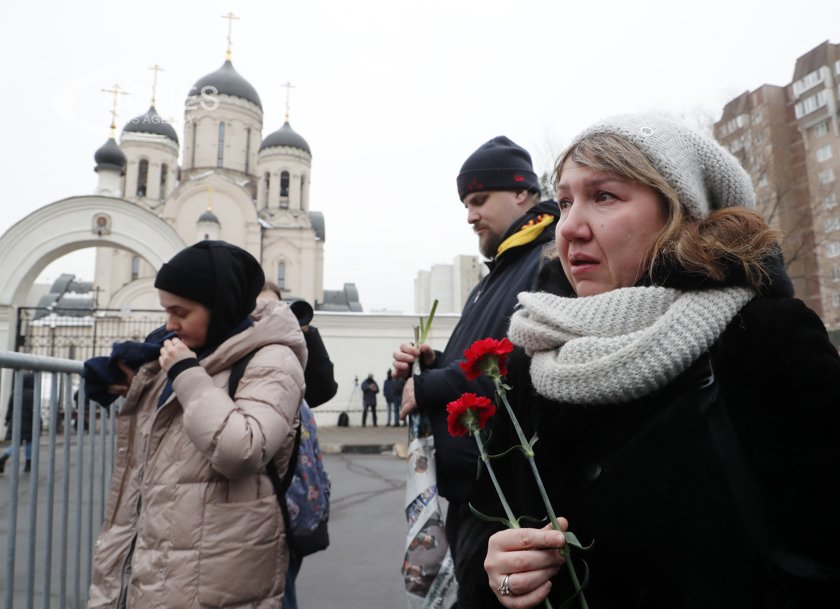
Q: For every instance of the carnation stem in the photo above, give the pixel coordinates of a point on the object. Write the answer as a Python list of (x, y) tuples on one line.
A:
[(513, 523), (486, 459), (529, 455)]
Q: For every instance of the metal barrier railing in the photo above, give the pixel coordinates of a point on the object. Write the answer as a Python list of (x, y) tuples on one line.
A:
[(66, 493)]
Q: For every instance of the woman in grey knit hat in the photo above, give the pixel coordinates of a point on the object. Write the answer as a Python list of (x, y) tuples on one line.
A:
[(687, 405)]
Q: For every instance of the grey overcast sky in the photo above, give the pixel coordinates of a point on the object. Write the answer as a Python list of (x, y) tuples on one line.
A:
[(392, 95)]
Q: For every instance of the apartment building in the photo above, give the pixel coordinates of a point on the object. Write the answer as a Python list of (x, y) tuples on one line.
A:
[(788, 138)]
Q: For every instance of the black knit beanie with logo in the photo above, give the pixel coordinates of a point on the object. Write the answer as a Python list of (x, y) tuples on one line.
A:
[(497, 165), (223, 277)]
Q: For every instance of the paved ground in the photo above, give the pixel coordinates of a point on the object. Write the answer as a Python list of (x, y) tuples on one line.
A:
[(360, 569)]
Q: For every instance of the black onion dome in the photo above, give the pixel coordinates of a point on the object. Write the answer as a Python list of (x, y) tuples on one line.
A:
[(110, 156), (151, 122), (209, 216), (226, 81), (285, 136)]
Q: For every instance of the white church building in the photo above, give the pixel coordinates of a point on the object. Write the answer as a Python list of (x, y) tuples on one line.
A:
[(231, 184), (158, 191)]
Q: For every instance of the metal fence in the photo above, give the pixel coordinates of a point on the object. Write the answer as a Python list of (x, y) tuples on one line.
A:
[(50, 516), (79, 334)]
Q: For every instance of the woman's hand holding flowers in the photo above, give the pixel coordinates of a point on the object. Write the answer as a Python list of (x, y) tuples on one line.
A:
[(530, 558)]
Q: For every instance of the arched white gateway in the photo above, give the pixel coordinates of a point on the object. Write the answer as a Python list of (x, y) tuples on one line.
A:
[(72, 224)]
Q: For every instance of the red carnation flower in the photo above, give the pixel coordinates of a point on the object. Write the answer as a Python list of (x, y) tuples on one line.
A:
[(484, 355), (468, 413)]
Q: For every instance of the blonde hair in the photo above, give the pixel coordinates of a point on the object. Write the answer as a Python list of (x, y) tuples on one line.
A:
[(270, 286), (707, 246)]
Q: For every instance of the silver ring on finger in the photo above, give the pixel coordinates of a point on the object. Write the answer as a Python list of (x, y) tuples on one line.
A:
[(504, 587)]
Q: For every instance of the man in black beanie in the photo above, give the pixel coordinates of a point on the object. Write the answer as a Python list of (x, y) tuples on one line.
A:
[(500, 191)]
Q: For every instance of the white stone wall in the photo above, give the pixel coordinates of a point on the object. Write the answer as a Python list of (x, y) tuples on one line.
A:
[(359, 343)]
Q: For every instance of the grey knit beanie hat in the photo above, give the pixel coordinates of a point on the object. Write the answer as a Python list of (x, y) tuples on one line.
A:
[(704, 174)]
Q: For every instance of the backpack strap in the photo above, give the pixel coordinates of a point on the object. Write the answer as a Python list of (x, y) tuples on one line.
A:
[(236, 373)]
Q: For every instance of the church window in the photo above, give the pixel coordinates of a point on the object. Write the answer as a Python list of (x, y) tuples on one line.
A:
[(164, 171), (302, 186), (284, 184), (135, 267), (220, 153), (192, 152), (142, 177), (281, 275), (247, 148), (267, 184)]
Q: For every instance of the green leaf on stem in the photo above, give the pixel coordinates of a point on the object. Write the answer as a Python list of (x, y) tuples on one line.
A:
[(486, 518), (579, 592), (532, 519), (427, 325), (526, 450), (572, 540), (509, 450)]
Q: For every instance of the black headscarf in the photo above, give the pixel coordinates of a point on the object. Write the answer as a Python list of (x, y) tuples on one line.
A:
[(223, 277)]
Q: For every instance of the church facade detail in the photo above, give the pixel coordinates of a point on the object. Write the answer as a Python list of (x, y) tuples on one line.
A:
[(220, 180)]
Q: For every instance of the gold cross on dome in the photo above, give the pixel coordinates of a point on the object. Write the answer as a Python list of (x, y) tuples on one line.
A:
[(155, 68), (231, 18), (117, 92), (288, 86)]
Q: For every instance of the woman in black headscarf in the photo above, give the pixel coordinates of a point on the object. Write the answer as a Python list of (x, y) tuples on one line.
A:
[(192, 518)]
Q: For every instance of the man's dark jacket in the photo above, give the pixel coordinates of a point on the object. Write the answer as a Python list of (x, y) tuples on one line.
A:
[(486, 314)]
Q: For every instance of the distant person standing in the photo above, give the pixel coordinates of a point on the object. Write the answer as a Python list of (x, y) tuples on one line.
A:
[(27, 405), (399, 385), (390, 393), (369, 391)]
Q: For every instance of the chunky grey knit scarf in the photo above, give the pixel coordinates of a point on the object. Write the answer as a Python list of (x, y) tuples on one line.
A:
[(620, 345)]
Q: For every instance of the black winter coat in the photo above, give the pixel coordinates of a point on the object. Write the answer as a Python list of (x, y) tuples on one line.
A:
[(486, 314), (318, 374), (644, 481), (369, 391)]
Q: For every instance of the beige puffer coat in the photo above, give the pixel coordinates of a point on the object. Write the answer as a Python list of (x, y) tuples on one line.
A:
[(192, 519)]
